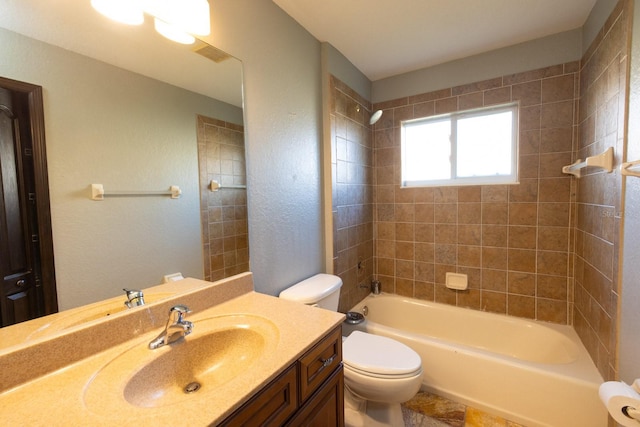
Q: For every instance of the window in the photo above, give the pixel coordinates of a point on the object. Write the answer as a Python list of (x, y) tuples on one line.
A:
[(472, 147)]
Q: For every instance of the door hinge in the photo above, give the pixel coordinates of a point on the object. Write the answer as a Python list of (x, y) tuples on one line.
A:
[(34, 238), (28, 152)]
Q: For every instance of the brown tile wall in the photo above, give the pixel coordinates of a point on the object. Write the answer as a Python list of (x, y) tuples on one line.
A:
[(221, 157), (601, 119), (513, 241), (352, 185)]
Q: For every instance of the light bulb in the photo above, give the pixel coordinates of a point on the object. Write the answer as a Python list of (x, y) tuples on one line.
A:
[(190, 16), (123, 11), (173, 33)]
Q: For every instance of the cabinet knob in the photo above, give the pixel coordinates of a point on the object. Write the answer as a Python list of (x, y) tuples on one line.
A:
[(326, 362), (20, 283)]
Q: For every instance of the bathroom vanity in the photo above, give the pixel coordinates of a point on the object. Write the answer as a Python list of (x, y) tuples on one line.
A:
[(309, 390), (251, 359)]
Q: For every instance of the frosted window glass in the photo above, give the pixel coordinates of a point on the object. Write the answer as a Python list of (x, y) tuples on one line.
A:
[(473, 147), (428, 151), (484, 145)]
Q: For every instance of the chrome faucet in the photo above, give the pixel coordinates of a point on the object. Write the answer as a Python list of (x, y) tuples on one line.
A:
[(176, 327), (375, 287), (135, 298)]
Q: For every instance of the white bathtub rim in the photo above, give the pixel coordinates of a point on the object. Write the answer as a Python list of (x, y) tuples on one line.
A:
[(516, 336), (581, 368), (582, 373)]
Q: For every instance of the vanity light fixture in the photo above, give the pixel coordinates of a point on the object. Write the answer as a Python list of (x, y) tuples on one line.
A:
[(122, 11), (177, 20), (172, 32)]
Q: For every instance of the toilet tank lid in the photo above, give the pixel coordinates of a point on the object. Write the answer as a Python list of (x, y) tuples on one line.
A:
[(313, 289)]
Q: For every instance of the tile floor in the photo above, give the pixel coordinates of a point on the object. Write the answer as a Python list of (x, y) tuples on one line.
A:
[(429, 410)]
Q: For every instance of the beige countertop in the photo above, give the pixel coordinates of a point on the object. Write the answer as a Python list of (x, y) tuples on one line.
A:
[(57, 397), (40, 327)]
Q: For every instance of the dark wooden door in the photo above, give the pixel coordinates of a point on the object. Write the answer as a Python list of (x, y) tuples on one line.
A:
[(21, 268)]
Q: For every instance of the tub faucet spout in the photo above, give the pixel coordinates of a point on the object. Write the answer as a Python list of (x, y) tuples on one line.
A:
[(176, 327), (376, 287), (135, 297)]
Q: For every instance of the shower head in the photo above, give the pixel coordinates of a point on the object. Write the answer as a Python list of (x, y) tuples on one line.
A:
[(375, 117)]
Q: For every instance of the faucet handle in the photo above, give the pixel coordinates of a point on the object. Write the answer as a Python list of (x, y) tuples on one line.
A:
[(135, 297), (180, 311)]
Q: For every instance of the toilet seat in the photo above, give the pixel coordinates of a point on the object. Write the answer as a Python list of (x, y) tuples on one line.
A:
[(379, 357)]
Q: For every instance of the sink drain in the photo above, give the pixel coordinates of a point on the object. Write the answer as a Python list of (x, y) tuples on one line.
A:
[(192, 387)]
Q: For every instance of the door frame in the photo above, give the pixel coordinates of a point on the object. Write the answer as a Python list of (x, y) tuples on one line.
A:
[(41, 178)]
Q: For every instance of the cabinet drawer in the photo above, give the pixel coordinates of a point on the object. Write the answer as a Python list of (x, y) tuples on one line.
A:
[(319, 363), (270, 407)]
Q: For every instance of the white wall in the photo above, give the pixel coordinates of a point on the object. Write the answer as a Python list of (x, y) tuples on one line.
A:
[(339, 65), (544, 52), (628, 341), (109, 126), (283, 122), (596, 19)]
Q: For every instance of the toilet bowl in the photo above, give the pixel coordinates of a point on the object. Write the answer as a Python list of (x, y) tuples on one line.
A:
[(379, 372)]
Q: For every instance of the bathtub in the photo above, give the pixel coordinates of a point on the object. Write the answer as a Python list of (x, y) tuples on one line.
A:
[(533, 373)]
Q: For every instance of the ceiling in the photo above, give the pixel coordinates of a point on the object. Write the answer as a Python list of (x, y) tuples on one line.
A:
[(74, 25), (384, 38), (381, 38)]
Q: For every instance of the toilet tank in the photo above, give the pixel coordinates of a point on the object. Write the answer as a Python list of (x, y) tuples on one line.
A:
[(322, 290)]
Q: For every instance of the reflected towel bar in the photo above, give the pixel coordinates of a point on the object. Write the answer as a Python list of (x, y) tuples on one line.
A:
[(603, 160), (215, 186), (98, 193)]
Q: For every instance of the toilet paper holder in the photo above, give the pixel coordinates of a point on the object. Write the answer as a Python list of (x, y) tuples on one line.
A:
[(622, 401), (629, 411), (632, 413)]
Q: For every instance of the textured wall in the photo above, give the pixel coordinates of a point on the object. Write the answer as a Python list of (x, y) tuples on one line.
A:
[(225, 234), (628, 343), (283, 123)]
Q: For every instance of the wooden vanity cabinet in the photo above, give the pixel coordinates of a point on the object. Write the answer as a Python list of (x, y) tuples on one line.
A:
[(271, 406), (326, 407), (310, 392)]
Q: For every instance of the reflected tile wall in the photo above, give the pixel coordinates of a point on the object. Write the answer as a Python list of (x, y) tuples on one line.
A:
[(221, 157)]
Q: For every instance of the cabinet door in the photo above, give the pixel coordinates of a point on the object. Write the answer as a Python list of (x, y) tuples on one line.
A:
[(326, 407), (18, 306), (271, 406)]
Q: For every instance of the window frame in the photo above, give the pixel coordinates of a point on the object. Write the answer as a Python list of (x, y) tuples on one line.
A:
[(454, 180)]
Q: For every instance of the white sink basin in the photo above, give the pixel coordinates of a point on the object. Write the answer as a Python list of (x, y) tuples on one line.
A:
[(219, 350)]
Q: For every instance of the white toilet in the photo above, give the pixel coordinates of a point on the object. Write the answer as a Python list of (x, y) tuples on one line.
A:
[(379, 373)]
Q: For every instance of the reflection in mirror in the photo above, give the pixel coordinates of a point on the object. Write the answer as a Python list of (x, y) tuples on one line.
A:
[(223, 198), (120, 109)]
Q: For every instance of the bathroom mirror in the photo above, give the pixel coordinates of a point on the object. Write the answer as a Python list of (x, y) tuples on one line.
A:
[(125, 108)]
